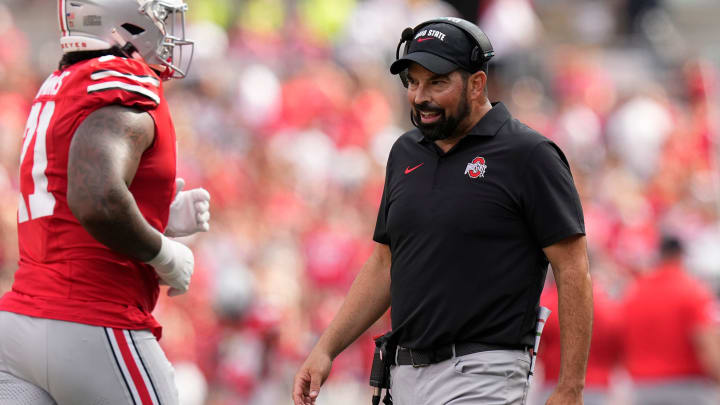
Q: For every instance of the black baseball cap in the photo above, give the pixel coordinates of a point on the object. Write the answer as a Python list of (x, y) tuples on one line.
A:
[(439, 48)]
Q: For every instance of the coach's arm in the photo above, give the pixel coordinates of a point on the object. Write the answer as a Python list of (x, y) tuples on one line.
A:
[(367, 300), (575, 303)]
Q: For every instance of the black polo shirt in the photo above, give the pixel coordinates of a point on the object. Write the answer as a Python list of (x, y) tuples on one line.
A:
[(466, 231)]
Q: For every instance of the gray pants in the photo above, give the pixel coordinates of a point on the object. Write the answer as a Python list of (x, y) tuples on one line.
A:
[(676, 392), (48, 362), (497, 377)]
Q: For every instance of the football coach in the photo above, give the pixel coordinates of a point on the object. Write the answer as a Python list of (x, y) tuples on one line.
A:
[(474, 208)]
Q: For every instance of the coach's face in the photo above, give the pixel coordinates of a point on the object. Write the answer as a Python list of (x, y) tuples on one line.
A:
[(439, 102)]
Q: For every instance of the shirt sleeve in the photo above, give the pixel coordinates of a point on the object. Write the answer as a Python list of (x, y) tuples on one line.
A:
[(550, 201), (381, 234), (704, 309)]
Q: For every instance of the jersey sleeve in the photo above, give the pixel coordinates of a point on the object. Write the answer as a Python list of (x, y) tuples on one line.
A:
[(550, 201), (113, 80)]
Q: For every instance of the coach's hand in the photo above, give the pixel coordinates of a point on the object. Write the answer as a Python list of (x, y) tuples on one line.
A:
[(311, 376), (562, 396), (174, 264), (189, 211)]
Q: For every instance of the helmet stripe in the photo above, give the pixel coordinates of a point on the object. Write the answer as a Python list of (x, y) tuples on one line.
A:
[(62, 17)]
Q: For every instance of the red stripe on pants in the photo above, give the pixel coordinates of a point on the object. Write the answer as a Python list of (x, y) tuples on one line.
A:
[(132, 367)]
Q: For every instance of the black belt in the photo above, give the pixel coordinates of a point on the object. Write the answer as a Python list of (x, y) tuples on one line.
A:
[(421, 358)]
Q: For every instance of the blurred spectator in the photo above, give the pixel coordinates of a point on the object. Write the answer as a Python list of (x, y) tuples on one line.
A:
[(638, 129), (511, 25), (604, 350), (670, 334), (637, 12)]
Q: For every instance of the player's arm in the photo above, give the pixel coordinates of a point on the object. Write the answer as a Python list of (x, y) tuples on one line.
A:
[(575, 306), (367, 300), (104, 155)]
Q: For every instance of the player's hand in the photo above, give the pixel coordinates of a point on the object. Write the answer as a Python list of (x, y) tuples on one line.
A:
[(562, 396), (310, 377), (174, 264), (189, 211)]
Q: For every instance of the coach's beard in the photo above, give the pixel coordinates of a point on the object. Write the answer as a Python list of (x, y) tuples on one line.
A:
[(445, 127)]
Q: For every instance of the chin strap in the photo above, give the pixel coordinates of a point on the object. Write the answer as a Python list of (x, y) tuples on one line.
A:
[(129, 50), (164, 72)]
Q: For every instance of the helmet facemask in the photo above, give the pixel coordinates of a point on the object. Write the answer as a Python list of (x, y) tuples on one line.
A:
[(174, 52)]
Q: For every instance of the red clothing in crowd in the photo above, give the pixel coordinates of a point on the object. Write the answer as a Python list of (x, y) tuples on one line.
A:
[(605, 344), (662, 310)]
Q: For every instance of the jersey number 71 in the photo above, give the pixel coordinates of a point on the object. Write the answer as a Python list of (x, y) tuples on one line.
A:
[(41, 202)]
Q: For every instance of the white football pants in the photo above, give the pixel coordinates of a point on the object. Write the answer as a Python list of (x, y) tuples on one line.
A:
[(48, 362)]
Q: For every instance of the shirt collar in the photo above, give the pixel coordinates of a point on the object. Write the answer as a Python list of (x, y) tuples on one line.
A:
[(489, 124)]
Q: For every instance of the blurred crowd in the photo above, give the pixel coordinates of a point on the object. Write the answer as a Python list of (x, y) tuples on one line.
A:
[(289, 113)]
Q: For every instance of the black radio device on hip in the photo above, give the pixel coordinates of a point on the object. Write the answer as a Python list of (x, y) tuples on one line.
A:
[(383, 359), (481, 53)]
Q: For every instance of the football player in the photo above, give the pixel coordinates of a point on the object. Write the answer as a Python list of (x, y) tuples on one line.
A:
[(98, 202)]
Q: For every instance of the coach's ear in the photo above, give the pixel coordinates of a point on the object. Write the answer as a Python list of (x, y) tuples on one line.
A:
[(477, 84)]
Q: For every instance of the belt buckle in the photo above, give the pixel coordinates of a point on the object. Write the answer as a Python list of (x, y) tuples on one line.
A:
[(412, 360)]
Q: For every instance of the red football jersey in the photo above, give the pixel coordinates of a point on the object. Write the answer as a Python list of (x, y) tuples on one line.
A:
[(64, 273)]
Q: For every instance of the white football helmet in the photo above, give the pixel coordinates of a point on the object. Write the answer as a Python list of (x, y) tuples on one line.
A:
[(153, 28)]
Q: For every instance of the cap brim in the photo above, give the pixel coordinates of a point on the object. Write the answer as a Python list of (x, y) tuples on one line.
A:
[(427, 60)]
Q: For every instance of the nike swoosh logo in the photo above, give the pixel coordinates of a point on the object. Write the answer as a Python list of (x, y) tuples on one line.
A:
[(408, 169), (424, 39)]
